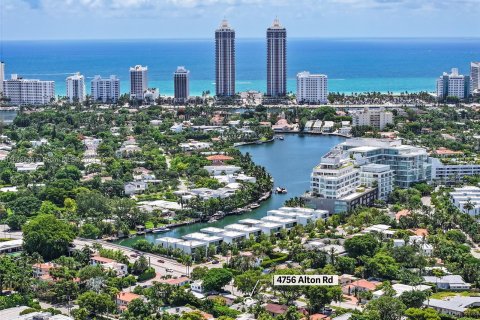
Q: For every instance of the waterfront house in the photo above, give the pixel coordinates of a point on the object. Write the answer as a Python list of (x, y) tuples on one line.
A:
[(250, 222), (269, 228), (218, 159), (168, 242), (233, 236), (214, 240), (212, 230), (190, 246), (286, 223), (216, 170), (247, 230)]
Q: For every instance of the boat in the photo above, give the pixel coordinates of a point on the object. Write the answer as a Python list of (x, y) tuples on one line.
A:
[(279, 137), (212, 220), (254, 206), (158, 230), (280, 190)]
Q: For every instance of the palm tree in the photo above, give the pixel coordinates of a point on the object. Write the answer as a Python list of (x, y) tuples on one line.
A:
[(469, 206)]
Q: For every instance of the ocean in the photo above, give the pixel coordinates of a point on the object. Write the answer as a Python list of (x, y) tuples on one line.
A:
[(352, 65)]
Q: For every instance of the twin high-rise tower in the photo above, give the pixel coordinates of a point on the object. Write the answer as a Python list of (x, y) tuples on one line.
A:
[(276, 60), (225, 60)]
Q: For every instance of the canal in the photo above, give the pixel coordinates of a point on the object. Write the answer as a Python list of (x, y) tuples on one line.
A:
[(289, 161)]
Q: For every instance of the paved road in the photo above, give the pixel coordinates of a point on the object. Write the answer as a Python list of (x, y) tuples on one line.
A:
[(161, 268)]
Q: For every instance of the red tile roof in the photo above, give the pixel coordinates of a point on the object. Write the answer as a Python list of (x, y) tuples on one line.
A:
[(102, 259), (127, 296), (402, 213), (276, 308), (219, 157), (173, 281)]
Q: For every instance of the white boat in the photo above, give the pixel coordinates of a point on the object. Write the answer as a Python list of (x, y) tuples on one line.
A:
[(280, 190)]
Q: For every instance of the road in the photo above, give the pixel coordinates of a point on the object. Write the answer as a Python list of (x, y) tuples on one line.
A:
[(177, 268)]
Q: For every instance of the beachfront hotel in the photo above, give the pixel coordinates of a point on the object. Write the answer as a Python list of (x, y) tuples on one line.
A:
[(312, 88), (76, 88), (138, 82), (225, 60), (453, 85), (105, 90), (28, 91), (181, 84), (276, 60), (475, 76)]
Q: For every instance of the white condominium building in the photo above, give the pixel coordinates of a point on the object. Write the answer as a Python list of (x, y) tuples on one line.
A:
[(475, 76), (76, 88), (467, 199), (410, 164), (105, 90), (373, 118), (334, 177), (312, 88), (138, 81), (453, 171), (453, 85), (378, 176), (28, 91)]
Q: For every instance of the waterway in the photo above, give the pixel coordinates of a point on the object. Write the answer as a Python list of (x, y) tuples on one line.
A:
[(289, 161)]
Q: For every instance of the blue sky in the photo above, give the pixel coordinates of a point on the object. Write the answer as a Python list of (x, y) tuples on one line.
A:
[(134, 19)]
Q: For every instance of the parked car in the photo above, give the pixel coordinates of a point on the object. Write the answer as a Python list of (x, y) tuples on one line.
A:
[(215, 262), (160, 261)]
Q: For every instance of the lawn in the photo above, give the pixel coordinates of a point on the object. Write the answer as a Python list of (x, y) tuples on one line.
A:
[(445, 294)]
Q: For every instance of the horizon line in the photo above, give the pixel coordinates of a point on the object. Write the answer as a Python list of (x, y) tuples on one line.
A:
[(261, 38)]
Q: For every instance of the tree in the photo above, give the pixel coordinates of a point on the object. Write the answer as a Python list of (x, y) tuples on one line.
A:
[(48, 236), (198, 273), (422, 314), (26, 205), (385, 308), (137, 309), (383, 266), (413, 299), (215, 279), (89, 231), (361, 245), (140, 265), (345, 265), (96, 303), (246, 281), (319, 296)]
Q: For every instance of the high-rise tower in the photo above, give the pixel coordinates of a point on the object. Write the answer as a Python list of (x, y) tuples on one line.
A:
[(225, 60), (276, 60)]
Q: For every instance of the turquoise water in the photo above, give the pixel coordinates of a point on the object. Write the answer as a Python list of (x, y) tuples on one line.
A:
[(353, 65), (290, 162)]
